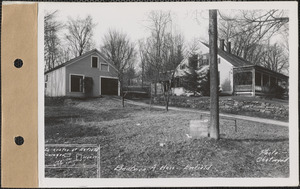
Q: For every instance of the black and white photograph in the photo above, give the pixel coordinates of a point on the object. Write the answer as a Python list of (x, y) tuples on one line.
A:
[(168, 90)]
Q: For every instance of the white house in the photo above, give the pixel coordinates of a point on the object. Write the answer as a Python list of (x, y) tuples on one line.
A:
[(252, 78)]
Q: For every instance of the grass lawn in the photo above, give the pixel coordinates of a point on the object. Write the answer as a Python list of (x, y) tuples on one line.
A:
[(138, 143)]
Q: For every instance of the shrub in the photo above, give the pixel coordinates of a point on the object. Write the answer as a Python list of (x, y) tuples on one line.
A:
[(274, 91)]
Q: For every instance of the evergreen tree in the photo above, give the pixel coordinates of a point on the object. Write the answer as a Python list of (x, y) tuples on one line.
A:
[(204, 80), (190, 81), (196, 77)]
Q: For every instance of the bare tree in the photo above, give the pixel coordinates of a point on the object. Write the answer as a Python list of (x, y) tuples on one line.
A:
[(249, 29), (80, 33), (64, 54), (142, 59), (158, 24), (163, 52), (275, 58), (172, 58), (118, 48), (51, 40)]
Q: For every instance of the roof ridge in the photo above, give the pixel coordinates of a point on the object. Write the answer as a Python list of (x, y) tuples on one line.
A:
[(85, 54)]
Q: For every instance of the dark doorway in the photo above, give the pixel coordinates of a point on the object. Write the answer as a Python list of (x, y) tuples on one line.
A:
[(109, 86)]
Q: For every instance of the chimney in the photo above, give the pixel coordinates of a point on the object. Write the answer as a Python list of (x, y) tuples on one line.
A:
[(222, 44), (229, 47)]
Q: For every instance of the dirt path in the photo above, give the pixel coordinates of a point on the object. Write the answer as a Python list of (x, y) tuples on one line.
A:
[(222, 115)]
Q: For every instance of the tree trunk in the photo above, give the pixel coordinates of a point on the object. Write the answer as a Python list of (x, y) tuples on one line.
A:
[(214, 76), (121, 90), (167, 101), (150, 103)]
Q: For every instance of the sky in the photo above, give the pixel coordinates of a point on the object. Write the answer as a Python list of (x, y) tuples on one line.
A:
[(132, 20), (189, 19)]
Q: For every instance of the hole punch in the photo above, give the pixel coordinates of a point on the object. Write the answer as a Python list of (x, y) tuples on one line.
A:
[(19, 140), (18, 63)]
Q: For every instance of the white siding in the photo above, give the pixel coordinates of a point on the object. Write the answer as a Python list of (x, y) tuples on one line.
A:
[(226, 76), (56, 84), (225, 68), (178, 91)]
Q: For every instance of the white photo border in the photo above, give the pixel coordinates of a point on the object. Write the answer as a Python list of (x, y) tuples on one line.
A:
[(293, 180)]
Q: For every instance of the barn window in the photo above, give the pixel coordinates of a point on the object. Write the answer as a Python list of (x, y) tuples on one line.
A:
[(76, 83), (94, 62), (104, 67), (46, 78)]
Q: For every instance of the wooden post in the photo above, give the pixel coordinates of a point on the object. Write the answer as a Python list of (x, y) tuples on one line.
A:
[(214, 88), (253, 82), (235, 126)]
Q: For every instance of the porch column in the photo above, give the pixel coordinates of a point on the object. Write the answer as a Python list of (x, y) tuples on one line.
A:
[(119, 86), (262, 80), (253, 82)]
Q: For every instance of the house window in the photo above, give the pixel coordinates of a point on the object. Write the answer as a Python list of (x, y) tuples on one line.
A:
[(219, 78), (243, 78), (94, 62), (258, 79), (46, 80), (205, 61), (104, 67), (76, 83), (219, 60), (266, 80), (177, 82), (200, 62), (272, 81), (182, 66)]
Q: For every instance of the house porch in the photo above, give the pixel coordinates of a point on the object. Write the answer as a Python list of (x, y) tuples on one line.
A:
[(256, 80)]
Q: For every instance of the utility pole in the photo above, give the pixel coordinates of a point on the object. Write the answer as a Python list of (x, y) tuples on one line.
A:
[(214, 75)]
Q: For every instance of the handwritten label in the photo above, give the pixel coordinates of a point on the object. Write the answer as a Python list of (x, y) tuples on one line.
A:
[(79, 156), (166, 167), (272, 156)]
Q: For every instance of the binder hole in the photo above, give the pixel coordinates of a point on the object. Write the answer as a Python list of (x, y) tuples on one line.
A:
[(19, 140), (18, 63)]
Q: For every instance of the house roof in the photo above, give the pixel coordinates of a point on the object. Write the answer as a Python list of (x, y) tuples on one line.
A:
[(79, 57), (236, 61)]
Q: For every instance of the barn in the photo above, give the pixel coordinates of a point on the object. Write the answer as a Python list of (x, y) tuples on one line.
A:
[(88, 75)]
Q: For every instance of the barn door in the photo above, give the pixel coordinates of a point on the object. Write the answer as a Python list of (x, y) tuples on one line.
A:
[(109, 86)]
